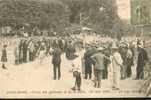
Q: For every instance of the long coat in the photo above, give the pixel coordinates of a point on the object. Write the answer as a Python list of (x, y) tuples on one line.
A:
[(141, 62), (70, 50), (142, 57), (88, 60), (116, 63), (98, 58), (56, 56)]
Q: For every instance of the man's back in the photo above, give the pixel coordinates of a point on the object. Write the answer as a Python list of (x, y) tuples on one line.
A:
[(56, 56), (99, 61), (142, 57), (70, 52)]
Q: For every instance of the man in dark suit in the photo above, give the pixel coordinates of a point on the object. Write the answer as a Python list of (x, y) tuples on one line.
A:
[(70, 50), (142, 59), (25, 47), (88, 62), (56, 61), (21, 51), (107, 53)]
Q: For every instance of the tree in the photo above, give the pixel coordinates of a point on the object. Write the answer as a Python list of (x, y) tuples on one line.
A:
[(99, 15), (17, 13)]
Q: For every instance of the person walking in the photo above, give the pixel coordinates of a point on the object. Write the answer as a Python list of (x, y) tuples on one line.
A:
[(76, 69), (56, 61), (99, 67)]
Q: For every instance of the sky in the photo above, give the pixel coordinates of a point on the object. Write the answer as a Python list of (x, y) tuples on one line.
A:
[(124, 9)]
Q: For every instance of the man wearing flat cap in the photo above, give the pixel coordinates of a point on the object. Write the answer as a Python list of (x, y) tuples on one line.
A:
[(99, 67)]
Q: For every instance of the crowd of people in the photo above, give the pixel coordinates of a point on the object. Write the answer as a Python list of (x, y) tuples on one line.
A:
[(28, 49), (102, 59)]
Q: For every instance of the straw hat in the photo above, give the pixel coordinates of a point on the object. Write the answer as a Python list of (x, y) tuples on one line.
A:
[(100, 48), (141, 46), (114, 46)]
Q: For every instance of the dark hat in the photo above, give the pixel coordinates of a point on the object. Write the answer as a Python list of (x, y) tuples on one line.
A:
[(5, 45)]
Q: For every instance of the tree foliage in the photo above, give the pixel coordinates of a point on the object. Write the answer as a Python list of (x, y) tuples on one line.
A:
[(58, 14)]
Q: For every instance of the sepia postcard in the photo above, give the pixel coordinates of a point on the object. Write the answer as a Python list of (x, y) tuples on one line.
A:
[(75, 48)]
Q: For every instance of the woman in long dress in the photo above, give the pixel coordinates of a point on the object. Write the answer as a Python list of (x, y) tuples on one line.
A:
[(42, 53)]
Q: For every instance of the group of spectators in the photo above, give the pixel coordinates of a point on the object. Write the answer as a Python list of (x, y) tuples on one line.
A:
[(28, 49), (105, 60), (102, 60)]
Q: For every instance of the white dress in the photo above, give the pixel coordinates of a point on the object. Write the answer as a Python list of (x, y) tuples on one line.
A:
[(42, 55), (116, 63), (110, 71)]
